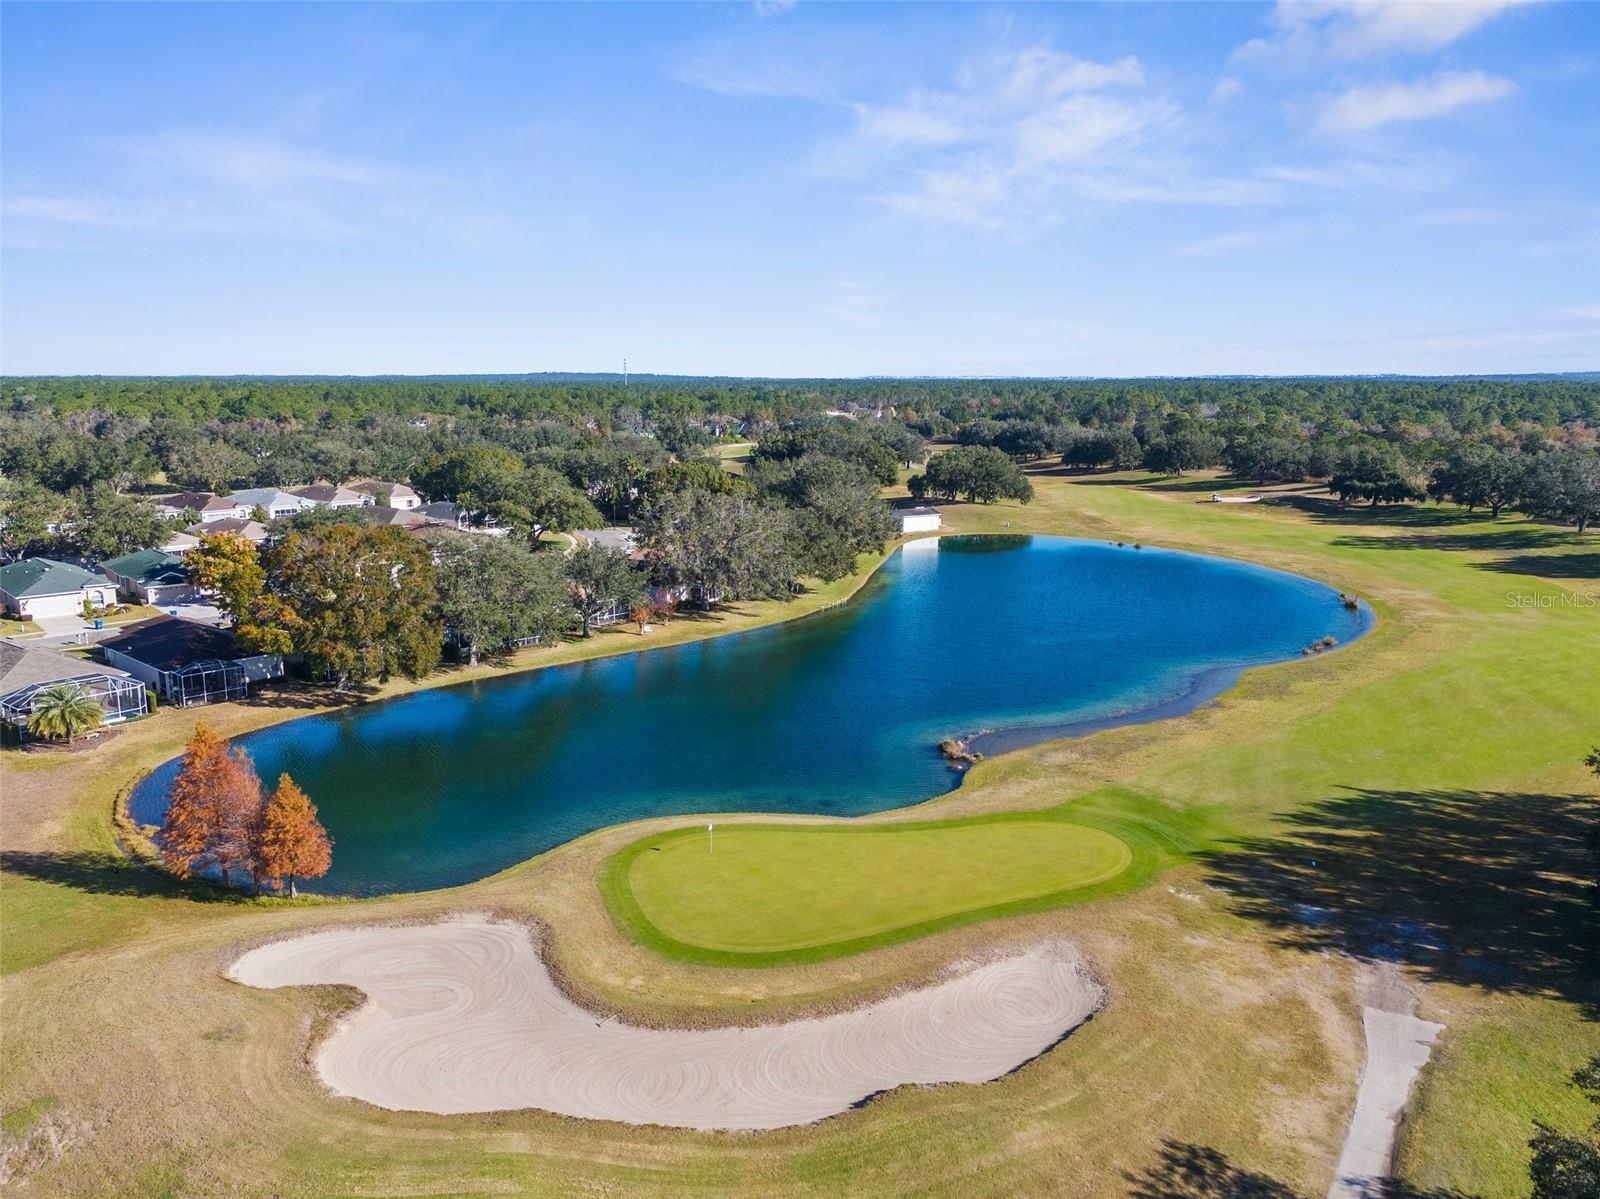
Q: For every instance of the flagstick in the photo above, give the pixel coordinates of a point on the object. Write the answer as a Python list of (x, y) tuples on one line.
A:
[(711, 837)]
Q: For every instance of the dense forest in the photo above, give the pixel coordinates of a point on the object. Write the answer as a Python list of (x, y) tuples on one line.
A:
[(1465, 405), (548, 453)]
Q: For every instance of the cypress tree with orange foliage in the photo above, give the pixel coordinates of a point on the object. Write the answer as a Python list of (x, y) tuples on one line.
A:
[(293, 842), (192, 820), (214, 819)]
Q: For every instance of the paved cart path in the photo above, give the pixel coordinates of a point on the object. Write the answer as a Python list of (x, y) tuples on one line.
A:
[(1398, 1046), (463, 1016)]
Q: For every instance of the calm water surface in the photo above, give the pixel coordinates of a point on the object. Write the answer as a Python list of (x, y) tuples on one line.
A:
[(837, 714)]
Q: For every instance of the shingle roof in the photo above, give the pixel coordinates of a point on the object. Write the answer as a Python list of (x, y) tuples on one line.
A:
[(200, 501), (380, 488), (250, 530), (45, 576), (326, 493), (267, 497), (168, 642), (149, 567), (23, 666), (384, 515)]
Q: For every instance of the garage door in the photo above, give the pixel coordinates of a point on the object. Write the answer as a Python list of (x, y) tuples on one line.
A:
[(53, 605)]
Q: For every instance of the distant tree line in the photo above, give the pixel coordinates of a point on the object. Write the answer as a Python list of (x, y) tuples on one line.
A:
[(1552, 473)]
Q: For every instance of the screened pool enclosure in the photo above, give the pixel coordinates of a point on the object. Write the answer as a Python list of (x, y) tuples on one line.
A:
[(119, 697)]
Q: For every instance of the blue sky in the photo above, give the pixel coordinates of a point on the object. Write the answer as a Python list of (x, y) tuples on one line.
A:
[(801, 189)]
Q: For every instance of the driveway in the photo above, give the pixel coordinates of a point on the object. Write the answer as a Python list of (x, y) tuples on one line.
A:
[(197, 612), (61, 630)]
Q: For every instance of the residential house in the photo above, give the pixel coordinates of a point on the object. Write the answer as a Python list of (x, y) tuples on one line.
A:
[(444, 514), (399, 517), (152, 577), (275, 503), (35, 587), (326, 495), (27, 670), (182, 543), (189, 663), (209, 507), (252, 531), (389, 495)]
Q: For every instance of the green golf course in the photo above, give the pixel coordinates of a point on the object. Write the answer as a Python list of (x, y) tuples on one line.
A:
[(1421, 791), (767, 894)]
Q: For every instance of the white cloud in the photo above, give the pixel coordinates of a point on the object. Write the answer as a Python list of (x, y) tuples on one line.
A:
[(1043, 73), (1226, 89), (1368, 106), (1349, 29), (1001, 145), (772, 8), (247, 162), (186, 182), (1585, 312)]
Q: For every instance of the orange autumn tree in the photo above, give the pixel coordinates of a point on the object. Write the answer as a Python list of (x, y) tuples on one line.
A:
[(293, 842), (202, 827), (218, 820)]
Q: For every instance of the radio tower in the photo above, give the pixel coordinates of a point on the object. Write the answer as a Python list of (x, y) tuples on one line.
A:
[(624, 372)]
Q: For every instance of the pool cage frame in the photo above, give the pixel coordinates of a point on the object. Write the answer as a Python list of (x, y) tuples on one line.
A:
[(206, 682), (120, 698)]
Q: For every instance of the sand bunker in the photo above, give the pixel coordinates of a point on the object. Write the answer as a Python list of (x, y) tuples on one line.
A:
[(464, 1017)]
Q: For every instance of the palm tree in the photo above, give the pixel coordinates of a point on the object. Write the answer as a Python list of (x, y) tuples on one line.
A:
[(63, 711)]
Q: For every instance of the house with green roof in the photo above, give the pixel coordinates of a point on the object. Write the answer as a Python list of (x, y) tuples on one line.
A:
[(39, 587), (151, 577)]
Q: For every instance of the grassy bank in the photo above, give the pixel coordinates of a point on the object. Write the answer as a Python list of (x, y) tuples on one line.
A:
[(1417, 791)]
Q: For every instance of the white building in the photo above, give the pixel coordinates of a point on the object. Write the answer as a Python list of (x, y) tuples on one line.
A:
[(276, 504), (326, 495), (209, 507), (918, 520), (389, 495), (35, 587), (151, 577)]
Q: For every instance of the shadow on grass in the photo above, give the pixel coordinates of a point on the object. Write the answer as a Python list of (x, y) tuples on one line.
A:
[(1389, 516), (1480, 888), (1186, 1171), (100, 872), (306, 697), (1515, 537), (1549, 566)]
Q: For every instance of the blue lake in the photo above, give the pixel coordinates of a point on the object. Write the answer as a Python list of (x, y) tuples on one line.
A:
[(838, 714)]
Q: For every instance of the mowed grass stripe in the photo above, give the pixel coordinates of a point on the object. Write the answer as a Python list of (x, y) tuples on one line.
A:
[(776, 894)]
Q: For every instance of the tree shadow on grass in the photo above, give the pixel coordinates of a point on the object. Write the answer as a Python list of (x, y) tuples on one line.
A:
[(1389, 516), (1549, 566), (1481, 888), (1512, 537), (100, 872), (1186, 1171)]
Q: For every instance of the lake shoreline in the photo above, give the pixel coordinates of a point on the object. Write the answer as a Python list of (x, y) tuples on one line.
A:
[(579, 745)]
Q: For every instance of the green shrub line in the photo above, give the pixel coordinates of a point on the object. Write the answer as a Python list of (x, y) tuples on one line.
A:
[(1154, 847)]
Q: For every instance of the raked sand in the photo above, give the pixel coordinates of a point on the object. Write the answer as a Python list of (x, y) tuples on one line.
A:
[(463, 1016)]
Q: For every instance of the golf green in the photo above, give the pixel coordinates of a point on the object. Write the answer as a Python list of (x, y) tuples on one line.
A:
[(754, 893)]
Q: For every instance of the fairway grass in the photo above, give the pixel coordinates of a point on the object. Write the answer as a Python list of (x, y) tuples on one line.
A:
[(766, 895), (1419, 792)]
